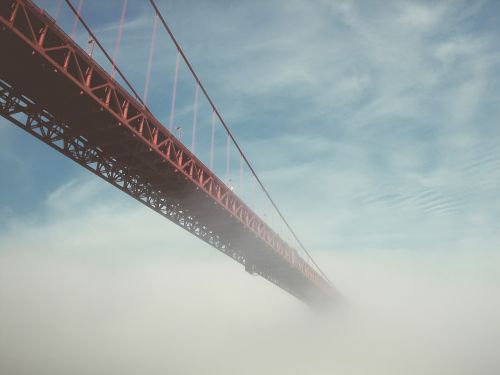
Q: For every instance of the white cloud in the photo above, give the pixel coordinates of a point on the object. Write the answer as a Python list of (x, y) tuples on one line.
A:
[(419, 16)]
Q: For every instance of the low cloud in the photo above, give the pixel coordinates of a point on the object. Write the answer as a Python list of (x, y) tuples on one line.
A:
[(98, 294)]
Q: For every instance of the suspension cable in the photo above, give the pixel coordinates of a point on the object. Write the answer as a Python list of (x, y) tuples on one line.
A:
[(212, 104), (230, 134), (150, 60)]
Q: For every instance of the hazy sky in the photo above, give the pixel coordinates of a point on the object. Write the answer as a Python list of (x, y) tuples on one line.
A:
[(375, 125)]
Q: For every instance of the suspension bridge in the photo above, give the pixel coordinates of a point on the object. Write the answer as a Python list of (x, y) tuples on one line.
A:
[(59, 83)]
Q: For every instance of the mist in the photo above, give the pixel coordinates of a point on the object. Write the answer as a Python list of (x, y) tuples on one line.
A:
[(128, 293), (375, 127)]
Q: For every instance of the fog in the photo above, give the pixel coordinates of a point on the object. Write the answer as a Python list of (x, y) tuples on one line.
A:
[(101, 293), (375, 127)]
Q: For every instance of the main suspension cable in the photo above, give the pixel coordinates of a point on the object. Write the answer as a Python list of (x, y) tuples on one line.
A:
[(212, 104), (229, 132)]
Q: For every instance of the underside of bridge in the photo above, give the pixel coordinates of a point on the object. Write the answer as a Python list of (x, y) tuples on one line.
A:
[(53, 90)]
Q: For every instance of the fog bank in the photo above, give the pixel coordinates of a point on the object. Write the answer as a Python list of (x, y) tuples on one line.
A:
[(95, 294)]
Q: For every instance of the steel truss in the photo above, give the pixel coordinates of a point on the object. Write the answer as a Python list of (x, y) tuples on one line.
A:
[(98, 124)]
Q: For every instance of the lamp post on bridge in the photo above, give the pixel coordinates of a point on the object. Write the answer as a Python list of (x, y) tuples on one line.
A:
[(179, 132), (91, 43)]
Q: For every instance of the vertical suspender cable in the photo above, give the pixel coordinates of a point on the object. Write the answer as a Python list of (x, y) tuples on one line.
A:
[(119, 36), (241, 174), (228, 155), (212, 141), (195, 115), (150, 59), (174, 92), (77, 17), (58, 10)]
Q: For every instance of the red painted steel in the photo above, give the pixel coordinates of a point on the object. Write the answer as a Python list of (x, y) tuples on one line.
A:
[(91, 119)]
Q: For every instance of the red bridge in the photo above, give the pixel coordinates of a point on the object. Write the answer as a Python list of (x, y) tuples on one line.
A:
[(55, 90)]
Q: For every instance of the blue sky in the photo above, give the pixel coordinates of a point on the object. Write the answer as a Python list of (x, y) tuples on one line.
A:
[(375, 126)]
